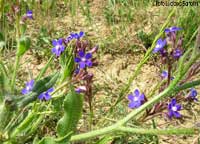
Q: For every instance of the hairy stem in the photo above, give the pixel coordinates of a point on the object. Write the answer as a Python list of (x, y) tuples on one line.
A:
[(173, 131)]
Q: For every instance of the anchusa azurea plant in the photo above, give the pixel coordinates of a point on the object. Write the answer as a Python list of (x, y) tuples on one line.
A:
[(48, 108)]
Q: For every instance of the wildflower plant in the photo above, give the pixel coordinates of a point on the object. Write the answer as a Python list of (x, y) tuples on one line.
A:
[(61, 95)]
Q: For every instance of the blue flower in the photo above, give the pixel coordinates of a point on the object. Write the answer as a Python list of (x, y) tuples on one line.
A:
[(193, 94), (173, 109), (77, 35), (45, 95), (84, 59), (58, 47), (28, 88), (29, 14), (177, 53), (164, 74), (159, 45), (136, 99), (172, 29)]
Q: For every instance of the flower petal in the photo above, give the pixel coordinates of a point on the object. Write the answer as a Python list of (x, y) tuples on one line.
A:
[(137, 92), (137, 104), (77, 60), (60, 41), (82, 65), (81, 34), (142, 96), (130, 97), (173, 102), (50, 90), (47, 97), (177, 114), (54, 42), (132, 105), (88, 56), (81, 53), (178, 106), (170, 114), (24, 91), (41, 96), (89, 63)]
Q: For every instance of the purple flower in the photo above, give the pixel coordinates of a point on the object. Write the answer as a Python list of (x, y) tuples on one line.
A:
[(172, 29), (177, 53), (74, 36), (28, 88), (164, 74), (84, 59), (136, 99), (173, 109), (193, 94), (159, 45), (45, 95), (77, 35), (58, 47), (29, 14)]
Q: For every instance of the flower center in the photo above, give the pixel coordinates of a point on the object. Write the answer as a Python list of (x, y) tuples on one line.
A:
[(83, 59), (28, 88), (158, 45), (29, 15), (174, 108), (135, 99), (57, 47)]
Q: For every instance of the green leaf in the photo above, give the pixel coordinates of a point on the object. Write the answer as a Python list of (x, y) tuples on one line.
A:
[(6, 112), (106, 140), (27, 122), (73, 104), (47, 140), (51, 140), (23, 45)]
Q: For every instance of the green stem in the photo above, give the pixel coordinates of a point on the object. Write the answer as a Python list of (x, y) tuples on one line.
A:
[(94, 133), (60, 87), (187, 85), (14, 73), (17, 57), (176, 131)]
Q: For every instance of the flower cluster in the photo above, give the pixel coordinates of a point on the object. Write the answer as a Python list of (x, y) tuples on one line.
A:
[(60, 44), (74, 36), (82, 60), (170, 40), (169, 57)]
